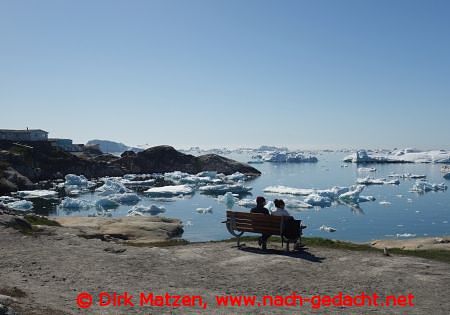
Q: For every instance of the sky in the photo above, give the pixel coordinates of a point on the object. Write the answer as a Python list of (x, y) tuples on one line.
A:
[(229, 73)]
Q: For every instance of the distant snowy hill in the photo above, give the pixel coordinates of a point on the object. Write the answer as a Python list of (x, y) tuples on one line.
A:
[(108, 146)]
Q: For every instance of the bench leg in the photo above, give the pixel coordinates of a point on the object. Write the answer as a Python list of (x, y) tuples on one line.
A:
[(238, 241), (287, 246)]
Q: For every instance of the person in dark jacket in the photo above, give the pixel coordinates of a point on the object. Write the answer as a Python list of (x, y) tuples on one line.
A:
[(260, 208)]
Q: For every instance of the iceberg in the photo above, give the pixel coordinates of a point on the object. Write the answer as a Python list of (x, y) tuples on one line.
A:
[(408, 175), (400, 156), (236, 177), (353, 196), (296, 204), (405, 235), (20, 205), (204, 210), (224, 188), (170, 191), (29, 194), (247, 203), (283, 190), (153, 210), (422, 186), (317, 200), (367, 169), (376, 181), (106, 203), (74, 204), (112, 186), (327, 228), (126, 198), (289, 157)]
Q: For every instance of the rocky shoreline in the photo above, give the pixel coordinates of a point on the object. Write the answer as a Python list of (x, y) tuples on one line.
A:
[(24, 166)]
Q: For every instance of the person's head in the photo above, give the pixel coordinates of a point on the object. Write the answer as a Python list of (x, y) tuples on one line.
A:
[(279, 203), (260, 201)]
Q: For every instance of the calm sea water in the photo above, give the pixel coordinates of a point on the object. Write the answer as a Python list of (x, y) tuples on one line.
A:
[(408, 213)]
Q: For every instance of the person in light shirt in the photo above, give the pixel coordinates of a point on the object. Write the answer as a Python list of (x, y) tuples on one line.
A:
[(280, 211)]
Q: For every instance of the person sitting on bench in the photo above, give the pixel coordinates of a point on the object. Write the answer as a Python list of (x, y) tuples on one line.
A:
[(260, 208), (280, 211)]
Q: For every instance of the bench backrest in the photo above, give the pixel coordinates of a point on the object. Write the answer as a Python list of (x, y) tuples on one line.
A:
[(262, 223)]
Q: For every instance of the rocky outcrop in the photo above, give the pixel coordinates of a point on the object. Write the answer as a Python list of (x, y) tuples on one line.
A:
[(161, 159)]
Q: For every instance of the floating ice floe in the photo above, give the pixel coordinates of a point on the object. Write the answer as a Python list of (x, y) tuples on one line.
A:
[(324, 197), (126, 198), (422, 186), (405, 235), (288, 190), (376, 181), (408, 175), (367, 169), (112, 186), (400, 156), (29, 194), (20, 205), (74, 184), (137, 183), (384, 203), (289, 157), (238, 176), (74, 204), (204, 210), (223, 188), (247, 203), (327, 228), (296, 204), (106, 203), (446, 176), (153, 210), (170, 191), (317, 200), (353, 195)]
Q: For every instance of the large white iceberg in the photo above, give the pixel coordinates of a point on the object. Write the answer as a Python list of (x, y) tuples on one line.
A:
[(289, 157), (400, 156), (170, 191)]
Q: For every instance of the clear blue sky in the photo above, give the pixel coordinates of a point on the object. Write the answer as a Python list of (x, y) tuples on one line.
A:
[(305, 74)]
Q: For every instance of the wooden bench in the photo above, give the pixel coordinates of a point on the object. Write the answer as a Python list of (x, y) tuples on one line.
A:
[(287, 228)]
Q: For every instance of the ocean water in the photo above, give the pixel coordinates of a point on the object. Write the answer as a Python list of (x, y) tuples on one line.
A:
[(408, 213)]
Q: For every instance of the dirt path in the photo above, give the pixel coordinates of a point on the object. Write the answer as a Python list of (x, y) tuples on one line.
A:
[(47, 272)]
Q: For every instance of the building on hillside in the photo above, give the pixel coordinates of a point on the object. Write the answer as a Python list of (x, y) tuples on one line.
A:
[(23, 135)]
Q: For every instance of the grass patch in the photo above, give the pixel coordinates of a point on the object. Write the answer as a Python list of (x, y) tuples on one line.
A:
[(40, 220)]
